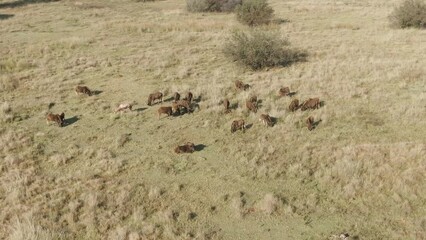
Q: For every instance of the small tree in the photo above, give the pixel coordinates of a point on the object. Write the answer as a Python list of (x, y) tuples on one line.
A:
[(254, 12), (412, 13), (259, 49)]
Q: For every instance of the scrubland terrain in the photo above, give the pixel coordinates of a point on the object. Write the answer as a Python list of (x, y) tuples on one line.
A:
[(115, 176)]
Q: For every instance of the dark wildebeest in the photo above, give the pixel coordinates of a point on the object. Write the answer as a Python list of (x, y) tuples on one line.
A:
[(176, 97), (251, 105), (188, 97), (83, 90), (294, 105), (165, 110), (241, 86), (123, 107), (310, 123), (57, 118), (284, 91), (237, 125), (187, 148), (183, 104), (311, 103), (266, 119), (226, 105), (155, 96)]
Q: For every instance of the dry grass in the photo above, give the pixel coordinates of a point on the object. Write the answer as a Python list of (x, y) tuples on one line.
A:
[(360, 171)]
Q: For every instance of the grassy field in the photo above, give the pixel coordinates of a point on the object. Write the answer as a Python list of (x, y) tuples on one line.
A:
[(115, 176)]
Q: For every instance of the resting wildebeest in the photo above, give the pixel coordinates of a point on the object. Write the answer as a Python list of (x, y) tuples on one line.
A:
[(237, 125), (226, 105), (176, 97), (83, 90), (123, 107), (284, 91), (311, 103), (294, 105), (165, 110), (187, 148), (241, 86), (58, 118), (266, 119), (188, 97), (155, 96)]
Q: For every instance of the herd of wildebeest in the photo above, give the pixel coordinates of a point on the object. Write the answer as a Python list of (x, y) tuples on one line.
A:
[(186, 105)]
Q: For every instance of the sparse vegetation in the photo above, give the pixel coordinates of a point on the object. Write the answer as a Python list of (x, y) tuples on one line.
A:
[(254, 12), (412, 13), (212, 5), (259, 49)]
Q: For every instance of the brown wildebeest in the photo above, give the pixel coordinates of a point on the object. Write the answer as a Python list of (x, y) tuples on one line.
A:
[(252, 106), (124, 106), (83, 90), (226, 105), (294, 105), (253, 99), (176, 97), (186, 148), (155, 96), (183, 104), (311, 103), (237, 125), (241, 86), (284, 91), (57, 118), (266, 119), (165, 110), (310, 123), (188, 97)]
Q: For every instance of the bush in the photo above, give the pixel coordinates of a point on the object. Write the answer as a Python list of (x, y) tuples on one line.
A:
[(212, 5), (412, 13), (254, 12), (260, 49)]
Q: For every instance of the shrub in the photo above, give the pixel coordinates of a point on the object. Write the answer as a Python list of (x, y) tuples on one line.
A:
[(259, 49), (412, 13), (254, 12), (212, 5)]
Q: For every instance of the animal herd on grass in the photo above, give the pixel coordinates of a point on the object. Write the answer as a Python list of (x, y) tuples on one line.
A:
[(186, 105)]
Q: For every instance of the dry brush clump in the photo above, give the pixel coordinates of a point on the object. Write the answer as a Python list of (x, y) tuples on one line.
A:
[(412, 13), (254, 12), (260, 49), (212, 5)]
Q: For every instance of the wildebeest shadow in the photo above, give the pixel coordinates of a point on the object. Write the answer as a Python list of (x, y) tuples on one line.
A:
[(169, 99), (197, 99), (291, 94), (274, 120), (322, 103), (51, 105), (233, 106), (199, 147), (280, 21), (140, 109), (70, 121), (20, 3), (248, 126), (315, 124), (96, 92), (5, 16)]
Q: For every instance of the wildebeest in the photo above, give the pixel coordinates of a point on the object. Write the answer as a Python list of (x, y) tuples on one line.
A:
[(311, 103), (155, 96), (252, 106), (241, 86), (294, 105), (83, 90), (226, 104), (266, 119), (124, 106), (310, 123), (188, 97), (237, 125), (58, 118), (165, 110), (186, 148), (183, 104), (176, 96), (284, 91)]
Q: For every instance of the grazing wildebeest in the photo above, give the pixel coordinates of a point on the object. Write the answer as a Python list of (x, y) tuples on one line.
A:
[(310, 123), (311, 103), (188, 97), (165, 110), (183, 104), (253, 99), (57, 118), (124, 106), (241, 86), (226, 105), (284, 91), (83, 90), (252, 106), (186, 148), (266, 119), (155, 96), (294, 105), (237, 125), (176, 97)]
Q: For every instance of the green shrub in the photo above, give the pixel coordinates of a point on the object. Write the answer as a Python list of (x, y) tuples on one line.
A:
[(259, 49), (254, 12), (212, 5), (412, 13)]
